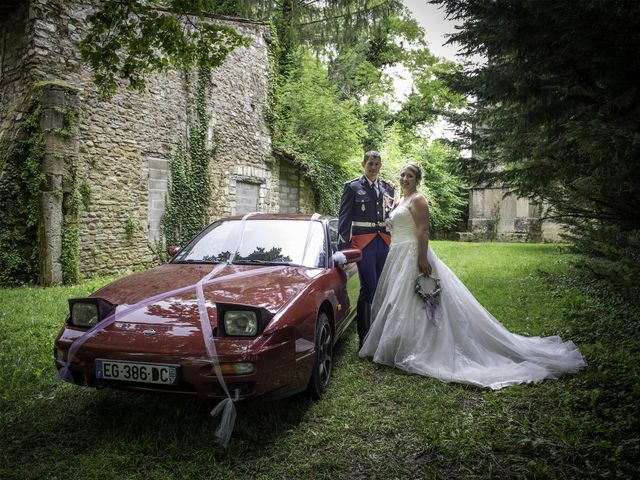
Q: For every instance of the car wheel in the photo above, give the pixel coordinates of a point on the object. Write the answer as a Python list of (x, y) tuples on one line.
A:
[(321, 373)]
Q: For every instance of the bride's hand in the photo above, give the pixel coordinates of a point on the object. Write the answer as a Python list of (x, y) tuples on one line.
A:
[(425, 267)]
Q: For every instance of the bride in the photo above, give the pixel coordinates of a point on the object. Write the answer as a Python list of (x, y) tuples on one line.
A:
[(458, 340)]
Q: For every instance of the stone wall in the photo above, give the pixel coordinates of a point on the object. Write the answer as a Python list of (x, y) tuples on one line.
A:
[(496, 214), (16, 51), (124, 145)]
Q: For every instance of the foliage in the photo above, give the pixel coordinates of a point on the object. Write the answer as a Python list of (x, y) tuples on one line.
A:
[(320, 130), (74, 203), (374, 422), (132, 38), (358, 67), (377, 117), (21, 182), (70, 254), (613, 256), (356, 40), (557, 115), (21, 185), (445, 192), (189, 193), (430, 95), (130, 227), (270, 110), (325, 26)]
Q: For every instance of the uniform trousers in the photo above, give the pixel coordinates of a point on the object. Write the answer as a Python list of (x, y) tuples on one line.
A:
[(370, 267)]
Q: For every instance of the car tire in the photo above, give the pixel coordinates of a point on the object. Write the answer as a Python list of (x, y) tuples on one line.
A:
[(323, 364)]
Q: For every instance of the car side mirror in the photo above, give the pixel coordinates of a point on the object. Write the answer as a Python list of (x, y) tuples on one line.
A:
[(348, 255), (172, 250)]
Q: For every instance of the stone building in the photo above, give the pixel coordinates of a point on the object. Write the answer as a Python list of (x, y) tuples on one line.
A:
[(121, 148), (497, 214)]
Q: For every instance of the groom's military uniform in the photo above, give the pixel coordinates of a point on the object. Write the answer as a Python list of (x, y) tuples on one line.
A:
[(361, 224)]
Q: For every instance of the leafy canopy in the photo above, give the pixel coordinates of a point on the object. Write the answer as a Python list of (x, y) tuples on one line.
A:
[(319, 129), (445, 191), (132, 38), (557, 113)]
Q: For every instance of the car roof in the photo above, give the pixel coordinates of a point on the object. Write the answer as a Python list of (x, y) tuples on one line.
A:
[(279, 216)]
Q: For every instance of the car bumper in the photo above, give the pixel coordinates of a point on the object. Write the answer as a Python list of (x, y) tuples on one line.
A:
[(279, 370)]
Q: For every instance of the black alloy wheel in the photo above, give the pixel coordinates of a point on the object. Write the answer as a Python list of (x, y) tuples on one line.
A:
[(321, 373)]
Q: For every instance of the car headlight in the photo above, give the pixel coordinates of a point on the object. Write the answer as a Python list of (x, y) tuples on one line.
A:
[(87, 312), (237, 320), (241, 323), (84, 314)]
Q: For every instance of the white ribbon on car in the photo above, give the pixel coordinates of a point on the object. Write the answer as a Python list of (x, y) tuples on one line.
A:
[(226, 406), (313, 218)]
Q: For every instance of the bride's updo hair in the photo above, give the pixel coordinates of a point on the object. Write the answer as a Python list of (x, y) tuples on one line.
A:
[(416, 169)]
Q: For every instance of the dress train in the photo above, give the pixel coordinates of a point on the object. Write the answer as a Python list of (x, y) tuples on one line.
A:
[(463, 342)]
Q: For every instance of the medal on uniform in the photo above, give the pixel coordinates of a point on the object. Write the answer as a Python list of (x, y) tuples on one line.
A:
[(363, 207)]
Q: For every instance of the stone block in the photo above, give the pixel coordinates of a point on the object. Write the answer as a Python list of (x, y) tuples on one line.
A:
[(54, 183), (158, 185), (481, 225), (51, 242), (521, 224), (52, 98), (51, 119), (155, 174), (53, 163)]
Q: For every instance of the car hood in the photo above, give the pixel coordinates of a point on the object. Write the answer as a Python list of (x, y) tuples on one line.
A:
[(169, 290)]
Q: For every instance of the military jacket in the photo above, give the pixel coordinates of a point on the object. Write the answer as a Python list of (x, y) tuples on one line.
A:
[(361, 204)]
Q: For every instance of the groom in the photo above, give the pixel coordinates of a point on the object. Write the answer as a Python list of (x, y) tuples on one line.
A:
[(361, 224)]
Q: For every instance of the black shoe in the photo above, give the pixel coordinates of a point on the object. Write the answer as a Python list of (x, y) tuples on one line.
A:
[(363, 318)]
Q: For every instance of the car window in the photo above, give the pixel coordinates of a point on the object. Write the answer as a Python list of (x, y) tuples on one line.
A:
[(299, 242), (333, 234)]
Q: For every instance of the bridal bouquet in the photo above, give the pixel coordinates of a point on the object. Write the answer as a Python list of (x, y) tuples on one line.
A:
[(428, 289)]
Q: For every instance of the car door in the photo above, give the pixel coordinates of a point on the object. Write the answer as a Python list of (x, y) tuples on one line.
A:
[(350, 290)]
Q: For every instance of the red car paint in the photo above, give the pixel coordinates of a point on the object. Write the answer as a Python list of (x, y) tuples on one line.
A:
[(283, 353)]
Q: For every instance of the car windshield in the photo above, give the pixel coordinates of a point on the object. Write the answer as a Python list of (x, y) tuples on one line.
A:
[(279, 242)]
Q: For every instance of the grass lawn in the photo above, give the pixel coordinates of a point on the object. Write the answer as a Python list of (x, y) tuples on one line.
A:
[(374, 422)]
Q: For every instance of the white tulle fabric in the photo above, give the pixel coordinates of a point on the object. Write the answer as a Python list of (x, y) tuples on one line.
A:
[(466, 344)]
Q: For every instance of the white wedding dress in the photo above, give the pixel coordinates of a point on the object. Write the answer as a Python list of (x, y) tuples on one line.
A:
[(464, 342)]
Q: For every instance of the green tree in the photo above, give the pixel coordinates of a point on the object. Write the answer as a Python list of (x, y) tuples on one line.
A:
[(430, 95), (558, 106), (319, 129), (132, 38), (445, 192)]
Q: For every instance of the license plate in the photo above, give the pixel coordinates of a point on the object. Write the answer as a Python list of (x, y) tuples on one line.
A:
[(137, 372)]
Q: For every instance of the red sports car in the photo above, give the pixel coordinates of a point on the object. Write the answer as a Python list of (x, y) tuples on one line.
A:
[(275, 295)]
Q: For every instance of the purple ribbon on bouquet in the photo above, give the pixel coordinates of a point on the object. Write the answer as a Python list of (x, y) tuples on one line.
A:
[(430, 309), (429, 295)]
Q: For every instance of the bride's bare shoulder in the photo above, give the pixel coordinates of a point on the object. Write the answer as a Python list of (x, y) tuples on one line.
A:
[(419, 201)]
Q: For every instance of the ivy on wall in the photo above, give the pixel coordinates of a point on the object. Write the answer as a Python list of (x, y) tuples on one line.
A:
[(274, 79), (189, 192), (74, 203), (21, 181)]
